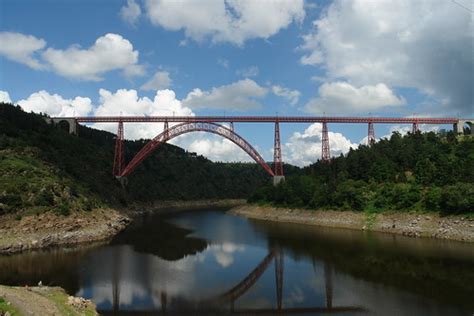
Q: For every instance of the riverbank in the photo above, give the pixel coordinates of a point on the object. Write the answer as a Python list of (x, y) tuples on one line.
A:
[(430, 225), (42, 300), (50, 229), (166, 207)]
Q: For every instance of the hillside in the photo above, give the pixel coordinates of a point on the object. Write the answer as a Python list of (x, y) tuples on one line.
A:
[(421, 171), (43, 167)]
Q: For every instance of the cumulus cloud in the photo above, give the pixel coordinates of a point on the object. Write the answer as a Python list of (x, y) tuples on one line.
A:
[(127, 102), (251, 71), (337, 97), (423, 44), (160, 80), (5, 97), (305, 148), (56, 105), (213, 147), (130, 12), (291, 95), (240, 95), (225, 20), (21, 48), (109, 52)]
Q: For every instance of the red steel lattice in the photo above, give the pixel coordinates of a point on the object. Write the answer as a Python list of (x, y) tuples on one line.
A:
[(325, 156), (118, 157), (184, 128), (277, 160), (266, 119)]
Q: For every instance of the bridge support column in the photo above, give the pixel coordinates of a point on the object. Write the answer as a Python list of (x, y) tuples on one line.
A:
[(279, 277), (371, 134), (328, 281), (326, 156), (414, 128), (118, 158), (277, 161), (166, 128)]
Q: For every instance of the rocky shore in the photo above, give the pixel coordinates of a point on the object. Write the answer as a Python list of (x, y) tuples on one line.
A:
[(431, 225), (165, 207), (42, 300), (49, 229)]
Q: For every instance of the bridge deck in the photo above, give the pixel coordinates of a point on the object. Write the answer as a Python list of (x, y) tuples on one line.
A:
[(268, 119)]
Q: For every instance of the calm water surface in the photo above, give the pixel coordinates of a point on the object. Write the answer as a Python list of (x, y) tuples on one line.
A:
[(205, 262)]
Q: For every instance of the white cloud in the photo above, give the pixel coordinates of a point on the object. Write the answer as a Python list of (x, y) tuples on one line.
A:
[(127, 102), (224, 254), (213, 147), (131, 12), (21, 48), (342, 97), (109, 52), (225, 20), (5, 97), (56, 105), (251, 71), (240, 95), (305, 148), (160, 80), (422, 44), (291, 95)]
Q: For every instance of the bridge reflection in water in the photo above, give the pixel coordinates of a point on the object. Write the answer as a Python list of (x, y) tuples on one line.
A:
[(224, 303)]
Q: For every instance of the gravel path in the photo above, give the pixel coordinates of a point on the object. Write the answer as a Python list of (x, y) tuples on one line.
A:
[(27, 302)]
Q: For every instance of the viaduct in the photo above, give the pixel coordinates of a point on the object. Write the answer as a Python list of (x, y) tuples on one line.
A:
[(213, 124)]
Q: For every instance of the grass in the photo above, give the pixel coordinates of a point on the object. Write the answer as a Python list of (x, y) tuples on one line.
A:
[(60, 300), (30, 186), (5, 307)]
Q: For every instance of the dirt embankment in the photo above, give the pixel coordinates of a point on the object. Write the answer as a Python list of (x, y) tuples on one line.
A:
[(165, 207), (50, 229), (43, 301), (458, 228)]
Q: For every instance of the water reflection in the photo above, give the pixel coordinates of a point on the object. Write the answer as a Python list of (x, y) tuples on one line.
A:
[(211, 262)]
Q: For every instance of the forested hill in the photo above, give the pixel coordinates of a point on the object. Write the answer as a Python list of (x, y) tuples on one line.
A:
[(43, 167), (421, 171)]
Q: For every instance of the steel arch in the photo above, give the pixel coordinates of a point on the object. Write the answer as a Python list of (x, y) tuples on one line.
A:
[(188, 127)]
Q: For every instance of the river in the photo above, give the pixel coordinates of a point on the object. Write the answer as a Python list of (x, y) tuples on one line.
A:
[(204, 262)]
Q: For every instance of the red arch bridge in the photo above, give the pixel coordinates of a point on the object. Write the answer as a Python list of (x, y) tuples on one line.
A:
[(213, 124)]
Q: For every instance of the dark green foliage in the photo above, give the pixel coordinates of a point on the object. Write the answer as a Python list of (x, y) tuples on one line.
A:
[(433, 172), (43, 167)]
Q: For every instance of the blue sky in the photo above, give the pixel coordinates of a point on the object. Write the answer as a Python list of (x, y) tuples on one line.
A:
[(353, 57)]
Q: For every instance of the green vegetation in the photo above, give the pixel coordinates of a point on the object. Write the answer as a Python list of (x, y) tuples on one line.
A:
[(6, 307), (42, 168), (60, 299), (417, 172)]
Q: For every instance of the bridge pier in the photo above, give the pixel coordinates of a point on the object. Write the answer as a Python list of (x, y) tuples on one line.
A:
[(119, 157), (371, 134), (459, 126), (71, 122), (326, 155), (278, 179)]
